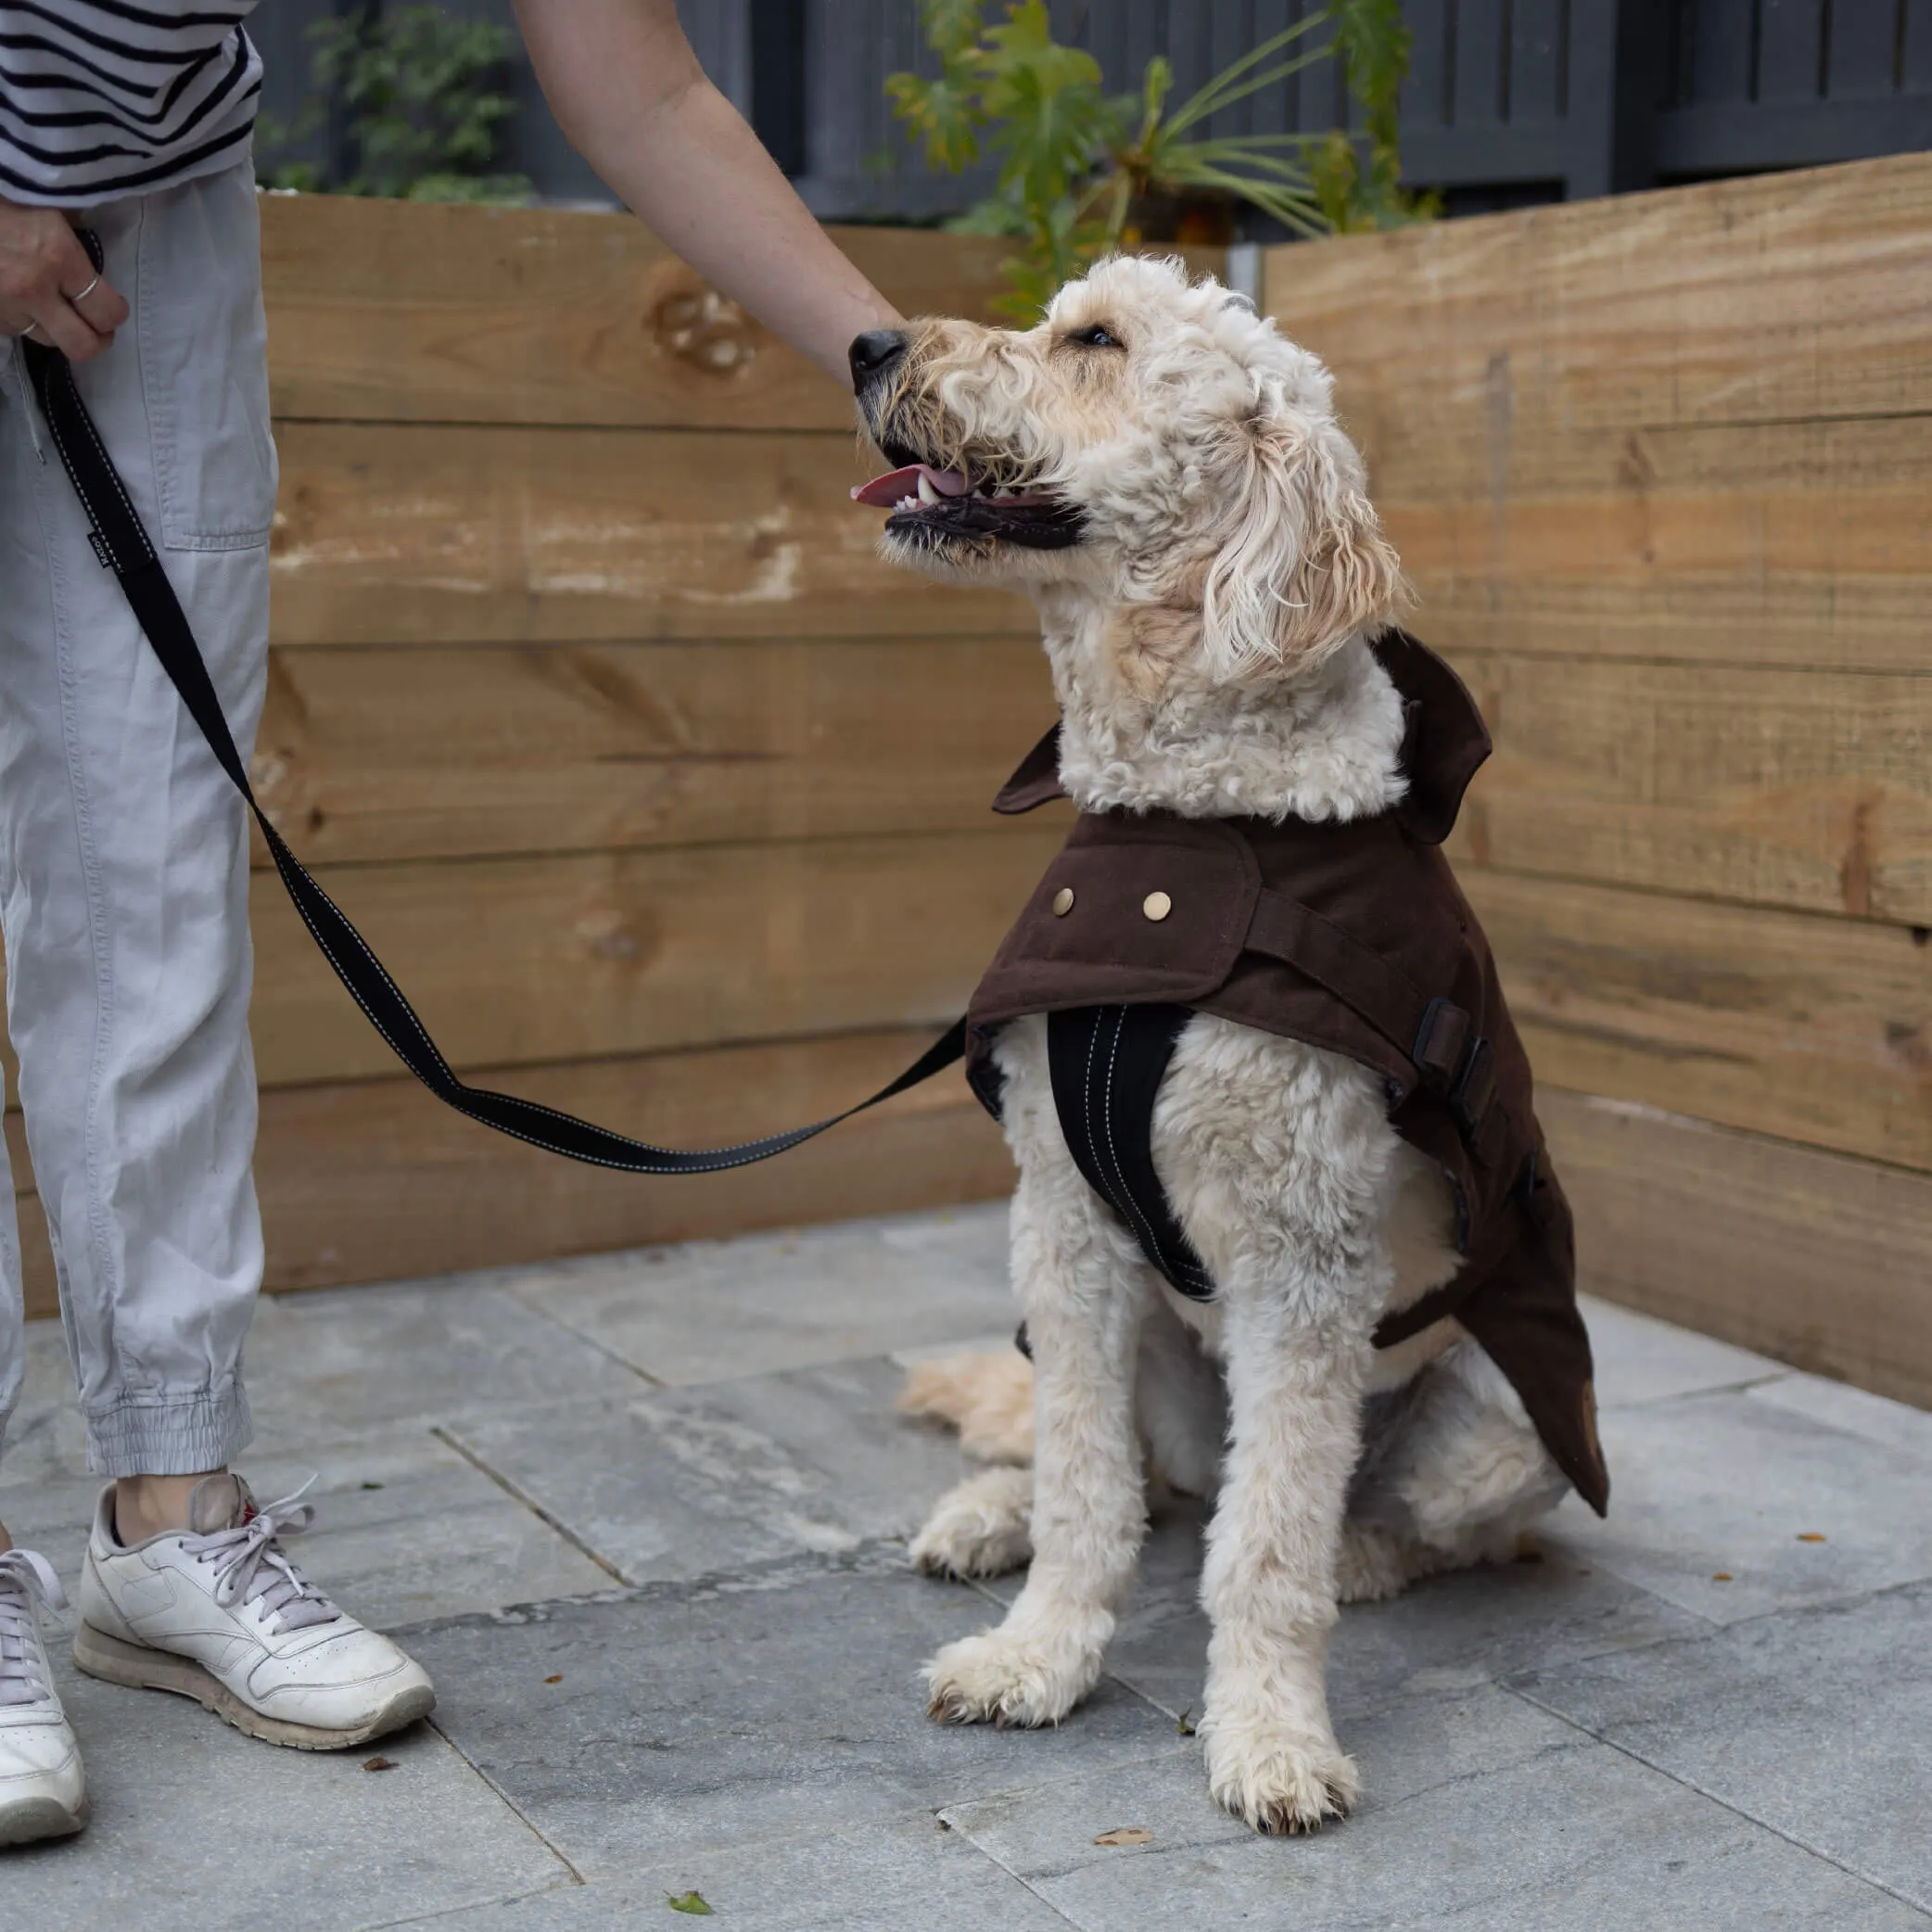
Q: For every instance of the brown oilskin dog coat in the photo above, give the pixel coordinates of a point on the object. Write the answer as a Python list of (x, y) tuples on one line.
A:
[(1353, 937)]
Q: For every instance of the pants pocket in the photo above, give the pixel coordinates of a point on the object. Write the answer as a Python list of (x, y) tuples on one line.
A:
[(204, 361)]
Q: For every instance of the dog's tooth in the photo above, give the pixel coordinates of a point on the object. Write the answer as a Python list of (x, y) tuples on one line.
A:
[(927, 494), (906, 502)]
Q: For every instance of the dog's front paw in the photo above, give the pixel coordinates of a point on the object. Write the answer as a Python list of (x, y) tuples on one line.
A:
[(983, 1528), (997, 1679), (1277, 1780)]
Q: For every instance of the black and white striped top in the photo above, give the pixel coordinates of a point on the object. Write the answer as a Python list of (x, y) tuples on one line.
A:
[(100, 98)]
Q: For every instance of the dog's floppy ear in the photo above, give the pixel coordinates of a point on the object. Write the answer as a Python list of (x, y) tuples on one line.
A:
[(1302, 566)]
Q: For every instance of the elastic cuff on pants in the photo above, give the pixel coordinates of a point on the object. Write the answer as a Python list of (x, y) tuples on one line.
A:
[(157, 1437)]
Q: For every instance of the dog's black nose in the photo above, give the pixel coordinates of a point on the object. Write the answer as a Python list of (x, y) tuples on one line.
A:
[(876, 352)]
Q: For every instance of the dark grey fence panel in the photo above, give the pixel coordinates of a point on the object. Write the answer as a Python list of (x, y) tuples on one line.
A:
[(1748, 84), (1507, 100)]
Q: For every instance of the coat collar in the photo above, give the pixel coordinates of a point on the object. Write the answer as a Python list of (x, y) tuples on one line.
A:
[(1443, 747)]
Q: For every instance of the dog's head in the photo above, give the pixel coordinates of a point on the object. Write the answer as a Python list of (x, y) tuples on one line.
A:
[(1157, 444)]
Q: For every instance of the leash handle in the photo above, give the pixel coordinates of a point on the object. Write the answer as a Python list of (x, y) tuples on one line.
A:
[(122, 545)]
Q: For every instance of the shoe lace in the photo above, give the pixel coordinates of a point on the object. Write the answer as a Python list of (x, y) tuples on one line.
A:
[(25, 1579), (251, 1567)]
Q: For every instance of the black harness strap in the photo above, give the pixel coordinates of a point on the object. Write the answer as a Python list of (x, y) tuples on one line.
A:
[(1107, 1063), (123, 547)]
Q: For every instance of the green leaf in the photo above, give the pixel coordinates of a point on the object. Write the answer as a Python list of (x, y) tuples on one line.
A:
[(942, 114), (952, 26), (691, 1902)]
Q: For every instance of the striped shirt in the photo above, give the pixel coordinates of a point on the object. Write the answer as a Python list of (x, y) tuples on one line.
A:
[(100, 98)]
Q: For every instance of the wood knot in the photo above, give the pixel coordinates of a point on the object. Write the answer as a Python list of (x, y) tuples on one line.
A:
[(608, 935), (704, 329)]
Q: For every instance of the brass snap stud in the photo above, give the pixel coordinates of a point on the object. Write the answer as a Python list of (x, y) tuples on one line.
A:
[(1157, 905), (1062, 902)]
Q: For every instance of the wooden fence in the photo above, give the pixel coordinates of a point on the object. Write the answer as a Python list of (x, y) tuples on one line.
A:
[(1661, 470), (667, 801)]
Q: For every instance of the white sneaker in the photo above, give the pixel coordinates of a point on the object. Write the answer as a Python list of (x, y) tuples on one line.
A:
[(219, 1614), (43, 1789)]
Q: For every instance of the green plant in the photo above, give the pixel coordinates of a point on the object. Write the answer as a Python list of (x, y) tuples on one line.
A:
[(1076, 163), (425, 117)]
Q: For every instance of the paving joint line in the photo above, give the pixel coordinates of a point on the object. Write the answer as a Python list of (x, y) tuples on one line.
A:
[(449, 1438), (1737, 1811), (445, 1912), (556, 1321)]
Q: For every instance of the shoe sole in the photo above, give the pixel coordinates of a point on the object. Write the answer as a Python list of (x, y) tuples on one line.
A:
[(142, 1669), (28, 1820)]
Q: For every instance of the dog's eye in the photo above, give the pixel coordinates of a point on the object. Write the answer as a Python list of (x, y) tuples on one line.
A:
[(1099, 336)]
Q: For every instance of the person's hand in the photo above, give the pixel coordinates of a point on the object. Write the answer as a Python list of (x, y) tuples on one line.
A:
[(48, 287)]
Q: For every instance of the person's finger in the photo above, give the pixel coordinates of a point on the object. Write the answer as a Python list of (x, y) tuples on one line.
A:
[(60, 324), (99, 304)]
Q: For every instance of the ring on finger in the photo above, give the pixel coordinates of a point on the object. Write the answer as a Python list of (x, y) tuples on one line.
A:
[(28, 330), (85, 293)]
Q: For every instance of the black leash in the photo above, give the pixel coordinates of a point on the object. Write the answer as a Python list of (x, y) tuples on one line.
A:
[(123, 547)]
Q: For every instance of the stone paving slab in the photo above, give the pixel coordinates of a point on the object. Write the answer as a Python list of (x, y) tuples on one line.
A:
[(692, 1717), (196, 1827), (406, 1528), (904, 1874), (1481, 1813), (1817, 1723), (1605, 1738), (328, 1366), (1639, 1359), (679, 1483), (714, 1310), (1727, 1485), (1890, 1424), (1453, 1634)]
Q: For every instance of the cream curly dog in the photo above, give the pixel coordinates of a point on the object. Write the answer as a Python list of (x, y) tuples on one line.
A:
[(1163, 472)]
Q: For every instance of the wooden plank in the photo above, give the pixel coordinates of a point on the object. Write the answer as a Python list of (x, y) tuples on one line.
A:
[(410, 311), (1793, 295), (431, 752), (406, 311), (37, 1279), (373, 1180), (1814, 1030), (1788, 542), (1794, 788), (1808, 1256), (521, 961), (448, 534)]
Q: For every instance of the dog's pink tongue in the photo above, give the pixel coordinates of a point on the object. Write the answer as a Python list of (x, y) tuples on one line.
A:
[(887, 490)]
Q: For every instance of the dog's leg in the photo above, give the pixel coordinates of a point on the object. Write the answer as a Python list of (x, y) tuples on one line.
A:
[(1456, 1478), (984, 1527), (1281, 1165), (1269, 1580), (1085, 1292)]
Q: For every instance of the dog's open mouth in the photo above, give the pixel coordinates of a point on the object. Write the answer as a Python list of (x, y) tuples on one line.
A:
[(929, 505)]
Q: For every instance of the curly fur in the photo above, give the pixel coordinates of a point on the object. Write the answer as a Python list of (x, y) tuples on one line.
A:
[(1208, 638)]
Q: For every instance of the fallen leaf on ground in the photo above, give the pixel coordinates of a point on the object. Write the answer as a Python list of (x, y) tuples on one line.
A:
[(379, 1764), (1720, 1576), (1184, 1723), (371, 1485), (557, 1679), (1810, 1536), (1125, 1834), (692, 1903)]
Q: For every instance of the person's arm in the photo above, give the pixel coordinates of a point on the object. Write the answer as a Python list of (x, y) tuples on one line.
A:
[(623, 82), (48, 284)]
